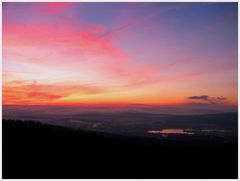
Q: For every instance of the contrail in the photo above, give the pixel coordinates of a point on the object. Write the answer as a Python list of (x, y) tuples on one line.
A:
[(164, 9)]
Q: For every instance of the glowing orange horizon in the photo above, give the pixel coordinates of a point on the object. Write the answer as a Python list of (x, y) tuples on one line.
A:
[(127, 58)]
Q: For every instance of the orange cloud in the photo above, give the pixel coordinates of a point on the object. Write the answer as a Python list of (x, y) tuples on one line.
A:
[(18, 92)]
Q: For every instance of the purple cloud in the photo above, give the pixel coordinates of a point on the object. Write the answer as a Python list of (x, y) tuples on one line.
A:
[(206, 98)]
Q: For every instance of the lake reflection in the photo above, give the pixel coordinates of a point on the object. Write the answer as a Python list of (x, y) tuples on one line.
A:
[(171, 131)]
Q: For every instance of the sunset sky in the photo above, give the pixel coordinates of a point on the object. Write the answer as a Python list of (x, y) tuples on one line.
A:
[(119, 53)]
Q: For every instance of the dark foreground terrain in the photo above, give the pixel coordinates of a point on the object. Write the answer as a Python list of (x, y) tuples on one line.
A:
[(35, 150)]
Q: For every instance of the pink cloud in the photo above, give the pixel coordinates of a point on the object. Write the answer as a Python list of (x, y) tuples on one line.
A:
[(47, 46), (57, 7)]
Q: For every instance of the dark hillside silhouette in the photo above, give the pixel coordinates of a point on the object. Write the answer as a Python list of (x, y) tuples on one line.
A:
[(36, 150)]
